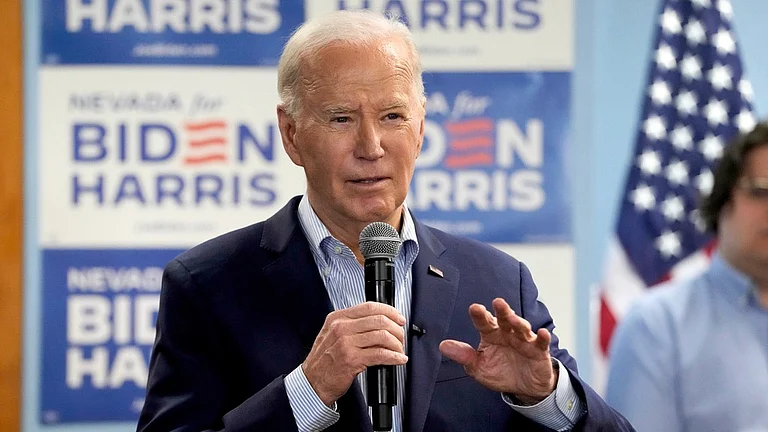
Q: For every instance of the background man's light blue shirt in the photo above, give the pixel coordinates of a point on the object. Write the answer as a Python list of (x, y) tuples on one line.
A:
[(344, 279), (693, 356)]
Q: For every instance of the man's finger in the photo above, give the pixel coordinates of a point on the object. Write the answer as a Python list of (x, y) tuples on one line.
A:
[(510, 322), (543, 339), (504, 314), (375, 338), (522, 329), (459, 352), (377, 322), (373, 308), (483, 321), (374, 356)]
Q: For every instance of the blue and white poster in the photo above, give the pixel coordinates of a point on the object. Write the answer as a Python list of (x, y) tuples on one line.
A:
[(494, 164), (157, 131), (179, 32), (100, 337)]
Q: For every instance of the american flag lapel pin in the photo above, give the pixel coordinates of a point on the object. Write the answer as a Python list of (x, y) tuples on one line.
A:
[(435, 271)]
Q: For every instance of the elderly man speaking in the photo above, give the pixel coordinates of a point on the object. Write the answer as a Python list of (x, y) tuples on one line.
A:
[(267, 328)]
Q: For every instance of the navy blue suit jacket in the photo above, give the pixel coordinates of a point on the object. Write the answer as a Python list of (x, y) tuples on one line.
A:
[(241, 311)]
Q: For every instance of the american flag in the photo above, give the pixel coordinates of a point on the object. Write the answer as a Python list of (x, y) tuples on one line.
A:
[(696, 100)]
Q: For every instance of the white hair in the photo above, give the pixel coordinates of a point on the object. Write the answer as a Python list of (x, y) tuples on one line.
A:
[(360, 27)]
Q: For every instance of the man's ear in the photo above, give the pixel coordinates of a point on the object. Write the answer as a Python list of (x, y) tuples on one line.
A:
[(287, 125), (421, 127)]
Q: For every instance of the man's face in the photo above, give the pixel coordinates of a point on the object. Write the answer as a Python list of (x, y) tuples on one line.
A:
[(357, 132), (743, 230)]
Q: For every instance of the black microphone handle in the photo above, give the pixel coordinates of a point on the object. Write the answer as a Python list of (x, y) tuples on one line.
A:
[(381, 381)]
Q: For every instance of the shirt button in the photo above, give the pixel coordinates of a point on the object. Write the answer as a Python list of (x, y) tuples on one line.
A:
[(569, 405), (326, 271), (337, 250)]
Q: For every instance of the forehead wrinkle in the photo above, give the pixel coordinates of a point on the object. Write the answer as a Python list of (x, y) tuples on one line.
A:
[(316, 74), (356, 96)]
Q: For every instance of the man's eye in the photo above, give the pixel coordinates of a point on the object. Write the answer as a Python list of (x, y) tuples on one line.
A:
[(340, 119), (759, 192), (393, 116)]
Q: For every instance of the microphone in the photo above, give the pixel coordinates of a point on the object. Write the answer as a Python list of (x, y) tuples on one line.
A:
[(379, 244)]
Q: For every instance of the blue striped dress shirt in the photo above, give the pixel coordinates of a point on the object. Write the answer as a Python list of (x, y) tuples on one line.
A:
[(345, 281)]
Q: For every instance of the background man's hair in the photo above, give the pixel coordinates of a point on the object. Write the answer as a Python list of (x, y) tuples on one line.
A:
[(728, 171), (353, 27)]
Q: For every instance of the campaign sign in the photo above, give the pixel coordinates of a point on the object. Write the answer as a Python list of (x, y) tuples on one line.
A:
[(186, 32), (99, 314), (478, 35), (494, 165), (158, 157)]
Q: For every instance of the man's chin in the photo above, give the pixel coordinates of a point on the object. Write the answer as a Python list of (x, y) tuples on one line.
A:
[(378, 213)]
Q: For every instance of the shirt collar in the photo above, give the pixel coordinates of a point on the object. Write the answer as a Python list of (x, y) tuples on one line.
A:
[(316, 231), (736, 286)]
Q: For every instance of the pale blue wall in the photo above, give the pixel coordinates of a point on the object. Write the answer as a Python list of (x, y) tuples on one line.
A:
[(613, 39), (613, 42)]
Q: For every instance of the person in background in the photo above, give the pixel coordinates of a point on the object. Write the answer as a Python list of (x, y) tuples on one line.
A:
[(693, 355), (267, 329)]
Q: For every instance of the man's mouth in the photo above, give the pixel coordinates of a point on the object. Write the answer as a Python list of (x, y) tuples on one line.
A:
[(369, 180)]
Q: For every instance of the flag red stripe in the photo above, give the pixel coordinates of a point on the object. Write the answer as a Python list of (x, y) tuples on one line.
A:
[(667, 277), (710, 248), (607, 325)]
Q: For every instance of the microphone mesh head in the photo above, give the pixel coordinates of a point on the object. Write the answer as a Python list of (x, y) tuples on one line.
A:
[(379, 239)]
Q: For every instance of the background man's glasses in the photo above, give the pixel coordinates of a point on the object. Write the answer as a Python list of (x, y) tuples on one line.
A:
[(756, 187)]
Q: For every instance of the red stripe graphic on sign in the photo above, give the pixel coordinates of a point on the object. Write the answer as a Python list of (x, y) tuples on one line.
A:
[(470, 143), (206, 142), (474, 125), (204, 125), (189, 160), (454, 161), (463, 144)]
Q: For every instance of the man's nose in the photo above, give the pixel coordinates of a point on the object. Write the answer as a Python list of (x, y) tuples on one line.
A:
[(369, 141)]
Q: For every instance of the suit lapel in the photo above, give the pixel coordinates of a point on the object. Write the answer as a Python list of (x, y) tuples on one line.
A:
[(294, 274), (435, 285)]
